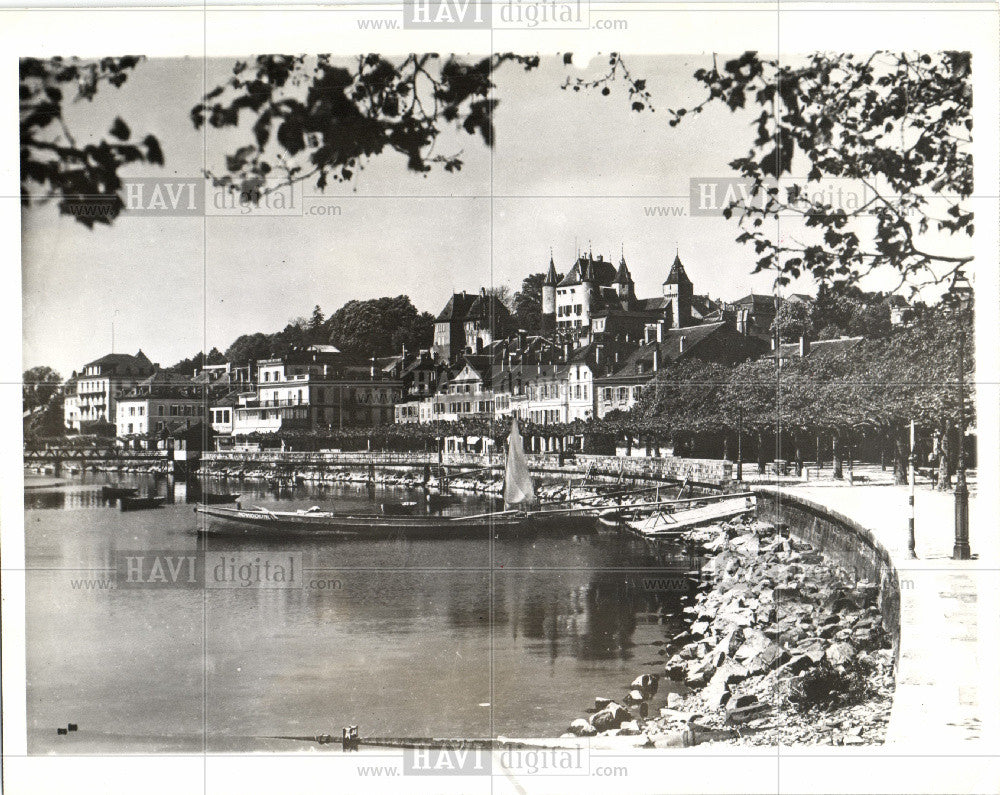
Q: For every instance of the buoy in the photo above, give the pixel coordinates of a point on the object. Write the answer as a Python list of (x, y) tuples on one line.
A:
[(61, 731), (72, 727)]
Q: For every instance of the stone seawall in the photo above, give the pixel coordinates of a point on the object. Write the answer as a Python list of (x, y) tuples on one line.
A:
[(845, 541), (667, 468)]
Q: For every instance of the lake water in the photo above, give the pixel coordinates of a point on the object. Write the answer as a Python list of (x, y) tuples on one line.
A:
[(441, 638)]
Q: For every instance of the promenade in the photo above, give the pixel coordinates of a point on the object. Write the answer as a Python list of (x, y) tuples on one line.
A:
[(946, 698)]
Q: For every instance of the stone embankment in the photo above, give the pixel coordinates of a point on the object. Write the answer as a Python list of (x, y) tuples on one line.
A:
[(783, 647)]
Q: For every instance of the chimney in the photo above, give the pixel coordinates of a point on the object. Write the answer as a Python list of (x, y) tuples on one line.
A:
[(597, 355), (565, 351), (681, 342), (803, 347), (659, 332), (774, 343), (656, 359)]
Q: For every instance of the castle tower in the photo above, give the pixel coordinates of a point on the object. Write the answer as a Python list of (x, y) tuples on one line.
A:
[(549, 298), (679, 289), (623, 284)]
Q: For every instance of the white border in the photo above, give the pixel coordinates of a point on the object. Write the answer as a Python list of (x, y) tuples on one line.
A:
[(724, 27)]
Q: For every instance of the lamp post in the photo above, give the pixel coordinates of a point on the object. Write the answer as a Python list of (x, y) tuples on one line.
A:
[(960, 298), (739, 444)]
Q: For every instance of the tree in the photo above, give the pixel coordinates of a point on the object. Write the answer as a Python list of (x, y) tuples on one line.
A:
[(313, 119), (897, 125), (527, 303), (316, 321), (793, 319), (81, 175), (378, 327), (38, 385), (248, 348)]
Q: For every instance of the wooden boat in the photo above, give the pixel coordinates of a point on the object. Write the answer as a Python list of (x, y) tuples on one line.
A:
[(257, 520), (680, 515), (117, 492), (519, 498), (141, 503), (211, 498)]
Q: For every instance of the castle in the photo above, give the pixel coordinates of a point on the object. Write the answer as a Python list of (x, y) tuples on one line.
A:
[(597, 299)]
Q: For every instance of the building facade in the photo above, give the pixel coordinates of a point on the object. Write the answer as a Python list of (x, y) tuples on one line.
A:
[(92, 393)]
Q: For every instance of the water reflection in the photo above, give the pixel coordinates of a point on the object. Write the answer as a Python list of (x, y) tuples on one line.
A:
[(407, 636)]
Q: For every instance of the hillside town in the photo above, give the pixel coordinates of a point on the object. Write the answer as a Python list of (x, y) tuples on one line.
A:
[(595, 349)]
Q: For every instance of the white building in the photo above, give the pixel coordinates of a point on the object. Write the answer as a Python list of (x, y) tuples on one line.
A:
[(92, 393)]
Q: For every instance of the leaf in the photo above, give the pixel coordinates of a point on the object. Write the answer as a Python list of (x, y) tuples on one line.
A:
[(290, 135), (120, 129), (154, 154)]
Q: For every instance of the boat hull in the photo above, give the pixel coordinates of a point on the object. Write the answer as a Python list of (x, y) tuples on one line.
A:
[(250, 522), (140, 503)]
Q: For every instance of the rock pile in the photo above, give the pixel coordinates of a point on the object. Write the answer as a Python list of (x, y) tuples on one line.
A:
[(783, 647)]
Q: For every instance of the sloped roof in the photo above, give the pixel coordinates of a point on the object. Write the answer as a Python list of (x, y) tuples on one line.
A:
[(658, 304), (669, 349), (677, 273), (486, 306), (140, 360), (587, 268), (818, 348), (757, 302), (456, 308), (551, 277)]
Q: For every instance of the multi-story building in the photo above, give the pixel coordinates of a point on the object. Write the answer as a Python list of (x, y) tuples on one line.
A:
[(92, 393), (159, 404), (468, 324), (596, 300), (619, 390), (316, 387)]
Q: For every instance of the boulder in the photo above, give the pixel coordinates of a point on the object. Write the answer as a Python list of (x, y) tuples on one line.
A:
[(635, 697), (744, 700), (610, 717), (629, 728), (717, 691), (647, 683), (674, 701), (840, 653), (581, 728), (600, 703), (795, 665)]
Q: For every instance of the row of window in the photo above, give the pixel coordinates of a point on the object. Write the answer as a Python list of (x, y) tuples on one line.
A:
[(608, 394), (175, 410), (576, 391), (563, 311)]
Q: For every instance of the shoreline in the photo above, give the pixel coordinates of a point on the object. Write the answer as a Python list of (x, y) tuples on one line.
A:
[(784, 647)]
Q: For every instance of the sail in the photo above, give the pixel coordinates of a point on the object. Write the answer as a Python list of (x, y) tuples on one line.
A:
[(518, 489)]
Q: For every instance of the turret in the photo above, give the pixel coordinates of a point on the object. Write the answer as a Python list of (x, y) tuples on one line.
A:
[(679, 289), (549, 298), (624, 285)]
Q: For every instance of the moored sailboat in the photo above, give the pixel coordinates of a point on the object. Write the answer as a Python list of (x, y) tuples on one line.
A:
[(519, 498)]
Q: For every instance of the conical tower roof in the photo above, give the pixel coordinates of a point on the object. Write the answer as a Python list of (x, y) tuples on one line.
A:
[(677, 273), (551, 278)]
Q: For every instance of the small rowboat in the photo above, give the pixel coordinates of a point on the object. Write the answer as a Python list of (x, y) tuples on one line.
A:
[(117, 492), (141, 503), (257, 521)]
